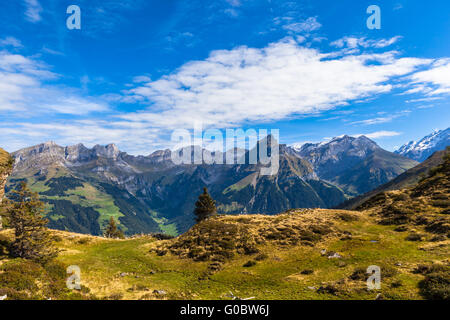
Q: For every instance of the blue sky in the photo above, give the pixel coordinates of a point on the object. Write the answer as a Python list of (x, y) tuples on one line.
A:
[(139, 69)]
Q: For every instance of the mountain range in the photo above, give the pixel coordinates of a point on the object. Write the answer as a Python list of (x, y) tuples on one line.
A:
[(83, 187), (422, 149)]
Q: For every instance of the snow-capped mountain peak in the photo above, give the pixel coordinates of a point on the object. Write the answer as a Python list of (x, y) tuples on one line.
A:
[(422, 149)]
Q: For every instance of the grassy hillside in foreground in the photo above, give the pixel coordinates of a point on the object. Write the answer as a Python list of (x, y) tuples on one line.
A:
[(294, 258)]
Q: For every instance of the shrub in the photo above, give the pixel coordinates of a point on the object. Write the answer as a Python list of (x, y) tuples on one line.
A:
[(329, 289), (361, 273), (162, 236), (427, 269), (83, 241), (436, 286), (401, 197), (309, 236), (321, 229), (161, 252), (57, 238), (307, 271), (347, 217), (115, 296), (438, 226), (261, 257), (441, 203), (249, 263), (396, 284), (414, 237), (18, 281), (438, 238), (13, 294)]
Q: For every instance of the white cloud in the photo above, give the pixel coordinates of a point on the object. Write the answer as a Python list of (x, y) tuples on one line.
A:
[(139, 79), (309, 25), (74, 105), (379, 120), (434, 81), (52, 52), (282, 80), (374, 121), (354, 42), (382, 134), (11, 41), (23, 87), (428, 99), (234, 3), (33, 10)]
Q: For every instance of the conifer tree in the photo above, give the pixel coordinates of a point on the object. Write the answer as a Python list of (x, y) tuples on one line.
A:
[(112, 231), (205, 206), (25, 214)]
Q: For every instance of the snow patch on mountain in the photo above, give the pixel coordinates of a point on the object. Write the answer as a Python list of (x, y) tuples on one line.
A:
[(422, 149)]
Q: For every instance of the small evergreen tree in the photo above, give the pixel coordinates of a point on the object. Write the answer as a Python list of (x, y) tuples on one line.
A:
[(25, 214), (205, 206), (112, 231)]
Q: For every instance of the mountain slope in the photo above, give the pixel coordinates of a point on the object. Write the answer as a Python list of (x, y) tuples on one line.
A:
[(407, 179), (422, 149), (426, 204), (76, 202), (357, 165)]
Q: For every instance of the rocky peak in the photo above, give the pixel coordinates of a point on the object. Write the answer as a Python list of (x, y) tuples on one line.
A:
[(110, 151), (49, 154), (337, 147), (422, 149), (38, 156), (77, 153), (161, 155)]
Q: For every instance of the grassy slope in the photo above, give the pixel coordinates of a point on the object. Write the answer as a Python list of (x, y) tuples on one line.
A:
[(278, 276), (88, 195), (5, 162), (406, 179)]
